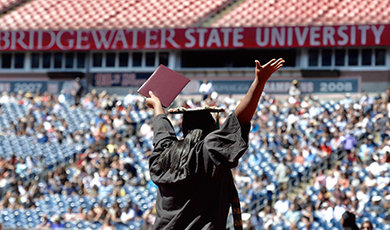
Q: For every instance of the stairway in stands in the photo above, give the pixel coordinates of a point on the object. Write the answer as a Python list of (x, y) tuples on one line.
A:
[(207, 22)]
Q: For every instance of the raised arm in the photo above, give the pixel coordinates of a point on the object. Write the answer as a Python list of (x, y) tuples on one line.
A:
[(154, 102), (247, 107)]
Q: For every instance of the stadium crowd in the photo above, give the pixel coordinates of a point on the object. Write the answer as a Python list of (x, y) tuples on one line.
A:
[(292, 133)]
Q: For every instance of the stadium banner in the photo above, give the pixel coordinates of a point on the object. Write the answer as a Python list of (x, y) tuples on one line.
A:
[(119, 79), (198, 38), (307, 86), (54, 87)]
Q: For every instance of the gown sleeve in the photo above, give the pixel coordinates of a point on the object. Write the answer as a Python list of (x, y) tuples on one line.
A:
[(226, 145), (164, 133), (164, 139)]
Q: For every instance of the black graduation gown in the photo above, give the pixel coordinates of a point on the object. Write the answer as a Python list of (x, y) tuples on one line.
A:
[(199, 195)]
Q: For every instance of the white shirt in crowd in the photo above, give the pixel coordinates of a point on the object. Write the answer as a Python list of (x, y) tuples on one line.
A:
[(281, 206), (127, 216), (338, 212), (331, 181), (326, 213), (206, 88)]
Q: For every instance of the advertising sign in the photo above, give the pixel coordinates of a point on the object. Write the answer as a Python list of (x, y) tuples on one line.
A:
[(307, 86)]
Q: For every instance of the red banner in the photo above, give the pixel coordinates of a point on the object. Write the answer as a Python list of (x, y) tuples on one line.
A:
[(197, 38)]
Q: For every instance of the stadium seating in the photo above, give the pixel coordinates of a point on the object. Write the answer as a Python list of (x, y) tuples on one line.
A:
[(101, 14), (303, 12), (80, 119), (27, 146), (58, 205), (7, 4)]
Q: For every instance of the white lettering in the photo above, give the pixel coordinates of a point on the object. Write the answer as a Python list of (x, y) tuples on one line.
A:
[(201, 33), (328, 35), (363, 33), (265, 40), (120, 36), (278, 36), (135, 39), (353, 35), (377, 33), (214, 38), (59, 40), (314, 36), (103, 38), (188, 35), (237, 36), (51, 40), (301, 37), (4, 39), (18, 39), (343, 35), (289, 36), (151, 37), (81, 39), (31, 40), (225, 32), (169, 38)]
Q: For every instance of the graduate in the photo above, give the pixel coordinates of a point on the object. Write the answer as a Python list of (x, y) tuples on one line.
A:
[(195, 183)]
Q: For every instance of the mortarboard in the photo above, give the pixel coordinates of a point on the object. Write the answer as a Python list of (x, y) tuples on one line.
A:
[(196, 110), (198, 118)]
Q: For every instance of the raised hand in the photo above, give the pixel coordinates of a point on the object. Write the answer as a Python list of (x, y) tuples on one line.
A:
[(264, 72), (153, 101), (248, 105)]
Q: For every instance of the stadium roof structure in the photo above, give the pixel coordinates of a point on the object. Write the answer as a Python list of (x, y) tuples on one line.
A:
[(131, 14)]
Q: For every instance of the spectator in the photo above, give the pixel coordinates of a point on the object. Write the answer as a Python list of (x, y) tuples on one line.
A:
[(331, 180), (130, 99), (323, 197), (107, 225), (349, 142), (366, 225), (293, 215), (370, 182), (299, 159), (319, 180), (308, 216), (77, 91), (206, 88), (282, 174), (282, 205), (69, 216), (376, 204), (56, 223), (45, 224), (105, 189), (269, 218), (294, 92), (311, 157), (81, 215), (339, 210), (344, 181), (348, 221), (325, 211), (128, 214)]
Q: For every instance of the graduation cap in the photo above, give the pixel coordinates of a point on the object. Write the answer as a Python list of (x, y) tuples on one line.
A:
[(207, 109), (198, 118)]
